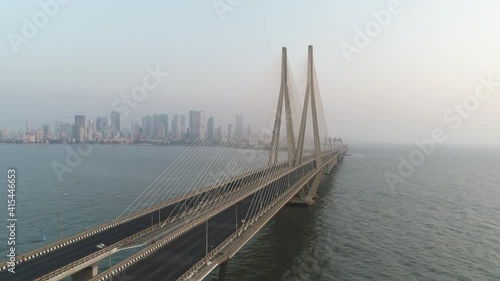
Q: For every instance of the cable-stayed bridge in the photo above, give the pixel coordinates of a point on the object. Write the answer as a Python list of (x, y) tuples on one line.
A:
[(207, 205)]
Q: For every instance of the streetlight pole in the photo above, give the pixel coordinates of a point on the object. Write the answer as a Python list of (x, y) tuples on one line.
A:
[(151, 228), (206, 237), (60, 227)]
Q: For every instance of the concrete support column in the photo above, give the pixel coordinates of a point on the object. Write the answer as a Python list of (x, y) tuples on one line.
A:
[(223, 270), (86, 274)]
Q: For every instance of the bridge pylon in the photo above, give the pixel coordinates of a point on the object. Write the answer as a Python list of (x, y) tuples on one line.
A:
[(308, 193), (284, 96)]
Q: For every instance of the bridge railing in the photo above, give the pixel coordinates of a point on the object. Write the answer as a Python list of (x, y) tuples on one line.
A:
[(94, 255), (106, 250), (205, 261), (87, 233)]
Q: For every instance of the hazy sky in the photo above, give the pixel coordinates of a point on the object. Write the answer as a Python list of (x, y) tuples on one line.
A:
[(428, 58)]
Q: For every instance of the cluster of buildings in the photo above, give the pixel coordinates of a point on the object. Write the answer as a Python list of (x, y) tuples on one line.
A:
[(155, 128)]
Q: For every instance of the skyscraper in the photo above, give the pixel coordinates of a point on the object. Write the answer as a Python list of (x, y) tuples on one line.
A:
[(197, 125), (163, 120), (90, 130), (147, 126), (63, 130), (115, 121), (133, 130), (194, 125), (91, 124), (29, 128), (239, 129), (45, 131), (172, 133), (101, 124), (203, 125), (176, 127), (79, 123), (210, 128), (161, 131), (155, 126), (183, 125), (218, 135), (4, 134)]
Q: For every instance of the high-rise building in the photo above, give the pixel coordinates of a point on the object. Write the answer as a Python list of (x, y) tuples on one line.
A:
[(210, 129), (194, 125), (115, 121), (183, 125), (45, 131), (29, 128), (147, 126), (239, 132), (90, 134), (91, 124), (197, 125), (156, 126), (229, 132), (4, 134), (176, 127), (101, 124), (218, 135), (79, 123), (63, 131), (172, 133), (203, 126), (134, 130), (82, 134), (161, 131), (163, 120), (39, 135)]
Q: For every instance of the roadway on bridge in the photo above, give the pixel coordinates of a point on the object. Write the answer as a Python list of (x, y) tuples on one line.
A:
[(49, 262), (177, 257), (171, 261)]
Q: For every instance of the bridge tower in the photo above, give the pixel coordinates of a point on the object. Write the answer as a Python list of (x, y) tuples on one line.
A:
[(290, 136), (308, 192), (296, 150)]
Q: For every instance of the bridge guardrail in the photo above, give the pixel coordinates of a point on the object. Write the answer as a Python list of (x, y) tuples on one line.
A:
[(93, 255), (81, 235), (122, 265), (118, 244), (221, 246)]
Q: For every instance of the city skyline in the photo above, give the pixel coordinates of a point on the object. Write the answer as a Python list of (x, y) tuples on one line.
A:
[(152, 127), (238, 52)]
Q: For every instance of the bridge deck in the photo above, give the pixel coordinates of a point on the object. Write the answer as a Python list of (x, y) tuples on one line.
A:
[(172, 260), (118, 233)]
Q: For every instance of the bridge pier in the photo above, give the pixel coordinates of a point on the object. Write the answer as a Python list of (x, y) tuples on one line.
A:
[(330, 166), (86, 274), (223, 270)]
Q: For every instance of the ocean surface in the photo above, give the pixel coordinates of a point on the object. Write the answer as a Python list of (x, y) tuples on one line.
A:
[(441, 223)]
